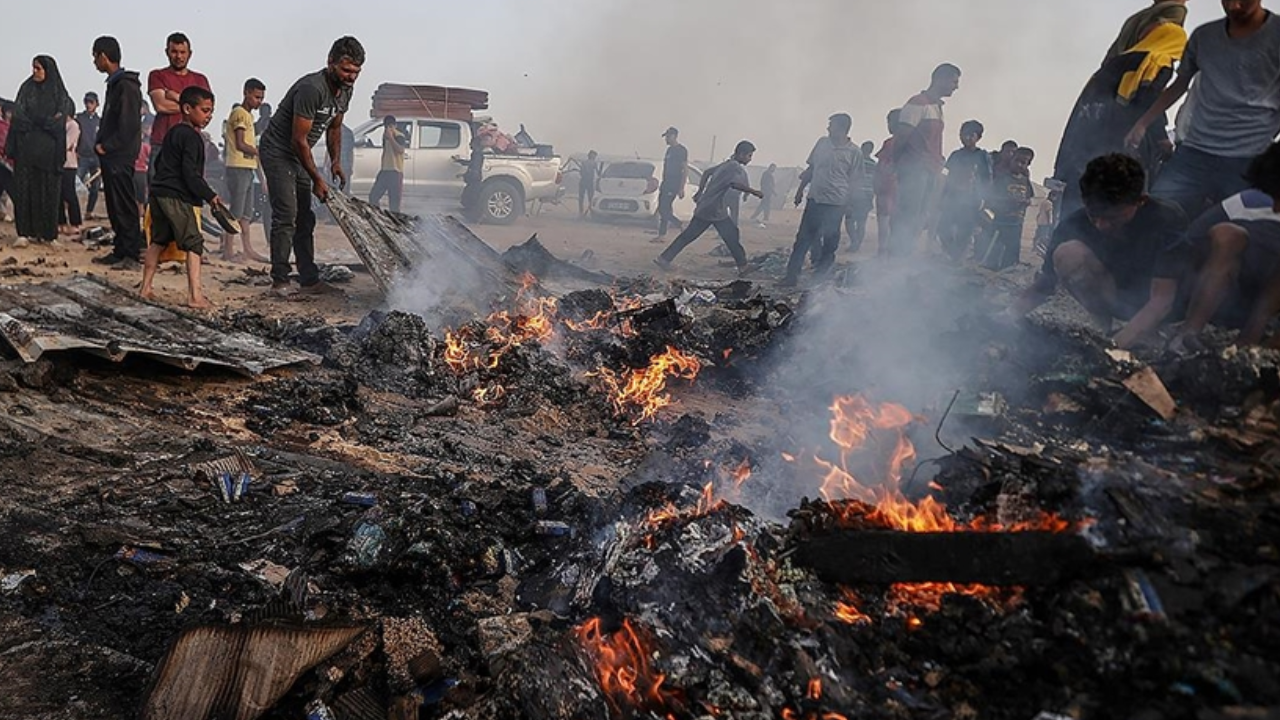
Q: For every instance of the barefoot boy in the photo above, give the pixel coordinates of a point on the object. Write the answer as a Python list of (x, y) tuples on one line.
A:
[(178, 189)]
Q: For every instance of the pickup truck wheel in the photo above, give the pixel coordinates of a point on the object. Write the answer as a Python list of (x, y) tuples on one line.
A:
[(502, 201)]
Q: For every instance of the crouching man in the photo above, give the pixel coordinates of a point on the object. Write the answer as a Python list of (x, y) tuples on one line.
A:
[(1114, 255), (1234, 250)]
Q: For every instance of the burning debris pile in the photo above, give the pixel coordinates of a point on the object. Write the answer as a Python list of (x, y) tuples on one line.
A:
[(603, 505)]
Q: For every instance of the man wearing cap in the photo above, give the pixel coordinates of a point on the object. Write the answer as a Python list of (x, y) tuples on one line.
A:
[(86, 159), (713, 208), (675, 173)]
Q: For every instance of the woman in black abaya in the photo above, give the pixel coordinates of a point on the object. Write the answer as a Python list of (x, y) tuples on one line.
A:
[(37, 146)]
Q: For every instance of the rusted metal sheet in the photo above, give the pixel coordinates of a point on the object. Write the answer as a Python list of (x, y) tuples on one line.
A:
[(89, 314), (393, 246)]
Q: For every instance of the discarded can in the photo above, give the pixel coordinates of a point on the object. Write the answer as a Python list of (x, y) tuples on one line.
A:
[(432, 694), (141, 558), (232, 486), (317, 710), (552, 528), (366, 543), (468, 508), (363, 499), (539, 501), (1141, 598)]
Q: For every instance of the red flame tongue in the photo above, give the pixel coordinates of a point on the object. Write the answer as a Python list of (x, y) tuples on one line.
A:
[(621, 662)]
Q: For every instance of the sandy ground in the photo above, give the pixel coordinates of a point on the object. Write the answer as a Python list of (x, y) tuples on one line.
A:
[(619, 249)]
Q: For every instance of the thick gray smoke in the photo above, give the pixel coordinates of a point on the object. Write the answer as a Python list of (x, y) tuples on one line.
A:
[(898, 336)]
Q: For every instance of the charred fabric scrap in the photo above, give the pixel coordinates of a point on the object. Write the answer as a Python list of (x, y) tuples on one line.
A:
[(385, 561)]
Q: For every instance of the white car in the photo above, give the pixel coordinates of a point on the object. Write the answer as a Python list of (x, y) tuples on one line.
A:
[(628, 190)]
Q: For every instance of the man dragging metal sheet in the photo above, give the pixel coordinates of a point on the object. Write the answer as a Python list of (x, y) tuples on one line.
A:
[(314, 106)]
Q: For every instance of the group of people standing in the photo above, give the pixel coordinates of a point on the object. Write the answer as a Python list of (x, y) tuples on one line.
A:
[(156, 170)]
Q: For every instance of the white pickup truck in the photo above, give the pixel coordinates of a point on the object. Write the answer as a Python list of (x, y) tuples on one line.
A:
[(437, 155)]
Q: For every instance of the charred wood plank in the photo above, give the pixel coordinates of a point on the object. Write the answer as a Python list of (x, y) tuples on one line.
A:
[(1026, 558), (533, 257)]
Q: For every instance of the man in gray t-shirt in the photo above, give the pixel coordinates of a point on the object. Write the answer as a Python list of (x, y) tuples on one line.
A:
[(313, 108), (834, 171), (1236, 65), (712, 207)]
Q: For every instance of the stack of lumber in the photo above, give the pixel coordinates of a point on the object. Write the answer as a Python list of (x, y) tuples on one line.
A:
[(428, 101)]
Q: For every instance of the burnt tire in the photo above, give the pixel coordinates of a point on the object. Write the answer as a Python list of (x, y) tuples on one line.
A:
[(501, 202)]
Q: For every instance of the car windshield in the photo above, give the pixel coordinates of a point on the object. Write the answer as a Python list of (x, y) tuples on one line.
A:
[(629, 170)]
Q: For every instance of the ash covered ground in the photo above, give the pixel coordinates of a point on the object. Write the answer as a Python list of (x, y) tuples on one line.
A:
[(512, 537)]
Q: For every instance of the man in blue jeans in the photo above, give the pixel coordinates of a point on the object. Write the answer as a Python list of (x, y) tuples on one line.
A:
[(1236, 113), (834, 171)]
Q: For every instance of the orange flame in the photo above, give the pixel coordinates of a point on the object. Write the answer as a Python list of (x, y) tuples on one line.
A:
[(645, 390), (847, 609), (604, 319), (742, 473), (621, 665), (533, 320), (858, 426), (488, 396), (812, 694), (928, 596)]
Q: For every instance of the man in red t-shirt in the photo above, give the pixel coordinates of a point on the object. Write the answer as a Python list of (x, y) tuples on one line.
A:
[(918, 159), (165, 86)]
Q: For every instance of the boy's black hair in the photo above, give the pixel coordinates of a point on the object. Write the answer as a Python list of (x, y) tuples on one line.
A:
[(972, 126), (1264, 171), (945, 70), (194, 95), (1031, 154), (744, 147), (7, 107), (843, 122), (1113, 180), (894, 119), (592, 154), (107, 46), (177, 39), (254, 84), (388, 120), (1009, 145), (347, 47), (868, 147)]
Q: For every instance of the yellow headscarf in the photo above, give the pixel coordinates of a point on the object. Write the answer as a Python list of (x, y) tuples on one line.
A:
[(1163, 47)]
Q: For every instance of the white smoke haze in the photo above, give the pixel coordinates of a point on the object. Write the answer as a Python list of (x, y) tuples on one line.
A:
[(896, 336)]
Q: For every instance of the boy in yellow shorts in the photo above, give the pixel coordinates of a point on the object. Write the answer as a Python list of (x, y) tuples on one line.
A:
[(178, 189)]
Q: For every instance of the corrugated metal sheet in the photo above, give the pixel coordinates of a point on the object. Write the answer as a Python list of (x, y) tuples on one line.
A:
[(238, 672), (89, 314)]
